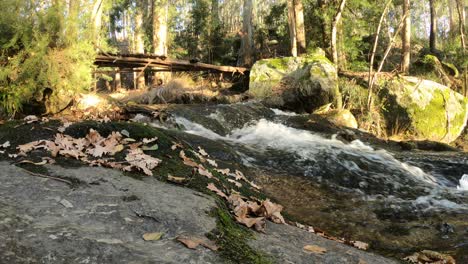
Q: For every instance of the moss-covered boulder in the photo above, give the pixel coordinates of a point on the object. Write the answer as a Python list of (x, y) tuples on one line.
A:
[(298, 84), (341, 117), (424, 109)]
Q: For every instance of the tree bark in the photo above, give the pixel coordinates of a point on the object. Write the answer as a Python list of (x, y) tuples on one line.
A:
[(323, 5), (300, 29), (139, 43), (433, 30), (461, 20), (160, 20), (292, 28), (406, 38), (371, 63), (335, 22), (247, 42), (97, 21)]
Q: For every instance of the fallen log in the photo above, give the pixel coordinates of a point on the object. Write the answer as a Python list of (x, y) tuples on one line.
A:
[(161, 63)]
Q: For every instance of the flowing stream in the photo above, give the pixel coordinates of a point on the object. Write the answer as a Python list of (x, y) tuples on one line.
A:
[(400, 202)]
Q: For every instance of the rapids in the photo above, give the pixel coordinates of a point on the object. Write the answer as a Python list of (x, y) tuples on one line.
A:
[(399, 201)]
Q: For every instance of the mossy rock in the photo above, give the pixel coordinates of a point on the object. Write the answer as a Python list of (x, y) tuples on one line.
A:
[(341, 118), (295, 83), (423, 109)]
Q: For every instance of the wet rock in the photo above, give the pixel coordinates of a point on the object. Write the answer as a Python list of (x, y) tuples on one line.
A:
[(424, 109), (295, 83)]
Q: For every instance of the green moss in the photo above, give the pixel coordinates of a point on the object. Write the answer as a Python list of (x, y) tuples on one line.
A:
[(232, 239)]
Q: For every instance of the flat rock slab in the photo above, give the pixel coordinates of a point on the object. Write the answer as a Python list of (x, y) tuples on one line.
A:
[(103, 219), (286, 245)]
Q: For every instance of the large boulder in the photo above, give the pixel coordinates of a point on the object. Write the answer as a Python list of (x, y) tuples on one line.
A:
[(295, 83), (424, 109)]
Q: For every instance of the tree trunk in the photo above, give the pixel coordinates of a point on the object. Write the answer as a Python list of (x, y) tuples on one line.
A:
[(406, 38), (292, 28), (461, 20), (371, 63), (72, 24), (160, 20), (433, 31), (97, 21), (323, 5), (247, 42), (300, 29), (335, 22), (139, 43)]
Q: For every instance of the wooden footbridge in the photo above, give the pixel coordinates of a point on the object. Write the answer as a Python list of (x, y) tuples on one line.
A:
[(144, 62)]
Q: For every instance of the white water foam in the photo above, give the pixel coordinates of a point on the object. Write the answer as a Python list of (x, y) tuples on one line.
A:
[(463, 183), (264, 135), (282, 113)]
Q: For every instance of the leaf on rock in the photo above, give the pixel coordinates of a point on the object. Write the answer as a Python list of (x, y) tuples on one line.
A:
[(238, 184), (64, 126), (176, 145), (315, 249), (150, 140), (225, 172), (175, 179), (152, 236), (202, 171), (125, 133), (152, 148), (360, 245), (187, 161), (202, 152), (212, 163), (31, 119), (215, 189), (193, 242), (137, 159), (5, 145)]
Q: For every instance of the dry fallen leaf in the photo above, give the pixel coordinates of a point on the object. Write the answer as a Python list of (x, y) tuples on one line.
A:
[(225, 172), (151, 140), (176, 145), (360, 245), (212, 163), (215, 189), (152, 236), (137, 159), (31, 119), (202, 152), (193, 242), (176, 179), (238, 184), (5, 145), (315, 249), (202, 171), (187, 161)]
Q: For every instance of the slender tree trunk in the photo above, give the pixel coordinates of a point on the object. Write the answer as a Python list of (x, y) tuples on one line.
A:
[(292, 28), (433, 31), (247, 42), (323, 6), (461, 20), (300, 29), (452, 19), (160, 19), (335, 22), (73, 13), (139, 43), (406, 38), (371, 63), (97, 21)]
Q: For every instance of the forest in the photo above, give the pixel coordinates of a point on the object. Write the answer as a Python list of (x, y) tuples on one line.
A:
[(233, 131)]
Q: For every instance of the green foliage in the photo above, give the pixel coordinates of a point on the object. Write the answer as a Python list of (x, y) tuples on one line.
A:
[(38, 51)]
